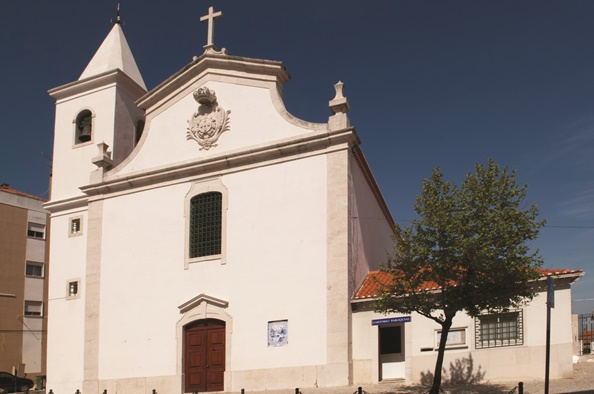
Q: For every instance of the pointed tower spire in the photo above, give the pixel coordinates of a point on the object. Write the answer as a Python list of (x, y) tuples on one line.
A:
[(114, 53)]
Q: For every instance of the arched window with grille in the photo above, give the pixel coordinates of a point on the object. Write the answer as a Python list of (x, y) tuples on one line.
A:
[(205, 224), (206, 216)]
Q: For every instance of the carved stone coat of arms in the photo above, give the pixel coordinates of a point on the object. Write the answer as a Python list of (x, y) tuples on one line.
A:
[(210, 120)]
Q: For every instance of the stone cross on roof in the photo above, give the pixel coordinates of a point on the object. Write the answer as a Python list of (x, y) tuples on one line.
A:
[(210, 18)]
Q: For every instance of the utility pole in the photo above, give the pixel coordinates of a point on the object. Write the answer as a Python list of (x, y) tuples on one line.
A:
[(550, 304)]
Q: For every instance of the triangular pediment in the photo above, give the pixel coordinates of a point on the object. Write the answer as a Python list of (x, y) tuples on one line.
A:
[(235, 68), (196, 301)]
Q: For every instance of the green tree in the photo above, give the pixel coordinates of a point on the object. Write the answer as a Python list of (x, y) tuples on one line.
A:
[(470, 241)]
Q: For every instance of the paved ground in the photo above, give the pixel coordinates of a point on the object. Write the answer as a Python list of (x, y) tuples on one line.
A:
[(582, 383)]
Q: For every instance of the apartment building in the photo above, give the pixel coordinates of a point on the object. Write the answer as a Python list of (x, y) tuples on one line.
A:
[(23, 282)]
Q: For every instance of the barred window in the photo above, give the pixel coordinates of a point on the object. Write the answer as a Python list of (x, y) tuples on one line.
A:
[(205, 224), (500, 329)]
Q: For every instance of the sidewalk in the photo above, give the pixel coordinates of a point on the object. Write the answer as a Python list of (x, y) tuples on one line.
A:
[(582, 383)]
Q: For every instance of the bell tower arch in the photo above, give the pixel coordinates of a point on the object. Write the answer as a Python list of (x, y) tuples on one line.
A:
[(97, 108)]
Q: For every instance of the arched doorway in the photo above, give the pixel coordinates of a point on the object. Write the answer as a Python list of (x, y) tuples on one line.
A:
[(204, 355)]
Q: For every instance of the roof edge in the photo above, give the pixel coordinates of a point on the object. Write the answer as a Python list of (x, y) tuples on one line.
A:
[(209, 61)]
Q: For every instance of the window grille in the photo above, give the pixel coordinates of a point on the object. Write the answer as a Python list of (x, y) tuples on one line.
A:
[(75, 226), (500, 329), (205, 224), (72, 288)]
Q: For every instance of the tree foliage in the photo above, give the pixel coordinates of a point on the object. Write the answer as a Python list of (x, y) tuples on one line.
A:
[(468, 251)]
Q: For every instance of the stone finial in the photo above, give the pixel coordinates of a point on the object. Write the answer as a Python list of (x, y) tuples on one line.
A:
[(339, 106), (103, 162), (103, 158), (339, 103)]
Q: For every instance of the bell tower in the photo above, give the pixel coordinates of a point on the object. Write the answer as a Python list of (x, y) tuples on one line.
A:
[(96, 109)]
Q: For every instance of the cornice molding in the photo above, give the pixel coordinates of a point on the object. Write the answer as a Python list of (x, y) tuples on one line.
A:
[(66, 204), (194, 302), (117, 77), (318, 142)]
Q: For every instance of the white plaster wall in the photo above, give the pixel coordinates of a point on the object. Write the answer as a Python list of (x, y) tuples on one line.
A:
[(536, 316), (253, 120), (371, 231), (275, 269), (65, 316), (72, 165), (126, 113)]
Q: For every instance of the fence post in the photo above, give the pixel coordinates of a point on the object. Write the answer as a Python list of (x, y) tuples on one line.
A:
[(521, 388)]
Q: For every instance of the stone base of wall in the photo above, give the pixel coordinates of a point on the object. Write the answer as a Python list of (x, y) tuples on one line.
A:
[(499, 364), (329, 375)]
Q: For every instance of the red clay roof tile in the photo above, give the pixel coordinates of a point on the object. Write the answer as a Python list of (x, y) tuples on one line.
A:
[(375, 279)]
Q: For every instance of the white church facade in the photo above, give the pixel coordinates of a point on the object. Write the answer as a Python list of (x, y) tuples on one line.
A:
[(204, 239)]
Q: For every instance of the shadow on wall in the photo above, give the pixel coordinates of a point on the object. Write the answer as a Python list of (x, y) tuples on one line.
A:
[(461, 371)]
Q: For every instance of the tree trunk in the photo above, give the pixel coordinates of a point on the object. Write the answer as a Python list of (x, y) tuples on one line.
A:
[(445, 329)]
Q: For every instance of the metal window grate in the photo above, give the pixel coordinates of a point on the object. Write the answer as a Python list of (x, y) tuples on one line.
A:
[(205, 224), (501, 329)]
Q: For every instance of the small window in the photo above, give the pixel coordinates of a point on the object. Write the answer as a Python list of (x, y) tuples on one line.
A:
[(499, 329), (84, 127), (205, 224), (138, 131), (34, 270), (456, 338), (73, 288), (36, 230), (33, 308), (75, 226)]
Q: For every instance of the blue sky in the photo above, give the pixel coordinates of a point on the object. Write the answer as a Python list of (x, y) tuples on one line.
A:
[(448, 83)]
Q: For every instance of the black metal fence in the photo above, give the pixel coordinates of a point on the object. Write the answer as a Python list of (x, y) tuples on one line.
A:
[(585, 333)]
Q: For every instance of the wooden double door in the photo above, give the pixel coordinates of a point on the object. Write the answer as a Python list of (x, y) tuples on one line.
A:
[(204, 356)]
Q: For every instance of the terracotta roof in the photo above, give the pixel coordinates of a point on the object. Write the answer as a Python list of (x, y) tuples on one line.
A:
[(587, 336), (375, 279), (7, 189)]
